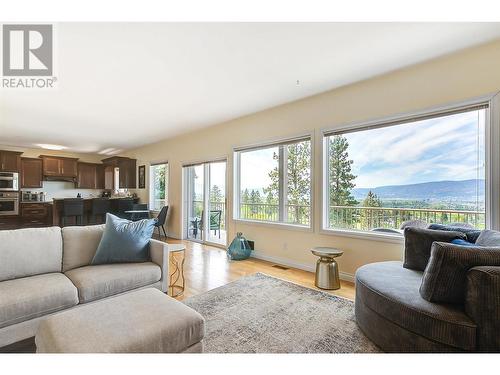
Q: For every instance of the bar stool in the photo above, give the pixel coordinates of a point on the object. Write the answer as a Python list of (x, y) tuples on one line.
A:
[(72, 207), (124, 204), (139, 215), (100, 207)]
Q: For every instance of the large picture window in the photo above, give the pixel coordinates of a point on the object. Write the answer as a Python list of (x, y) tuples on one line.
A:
[(384, 177), (158, 188), (273, 183)]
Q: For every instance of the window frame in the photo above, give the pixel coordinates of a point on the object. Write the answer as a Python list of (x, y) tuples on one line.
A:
[(150, 186), (492, 160), (237, 182)]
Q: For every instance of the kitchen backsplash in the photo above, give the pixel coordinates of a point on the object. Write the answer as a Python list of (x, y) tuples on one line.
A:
[(60, 189)]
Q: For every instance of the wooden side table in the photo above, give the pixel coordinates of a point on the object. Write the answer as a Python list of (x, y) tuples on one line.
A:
[(177, 256), (327, 269)]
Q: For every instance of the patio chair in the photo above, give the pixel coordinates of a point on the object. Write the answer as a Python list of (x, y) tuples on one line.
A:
[(214, 220)]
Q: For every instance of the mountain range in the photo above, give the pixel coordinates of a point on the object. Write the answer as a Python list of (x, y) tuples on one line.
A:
[(464, 190)]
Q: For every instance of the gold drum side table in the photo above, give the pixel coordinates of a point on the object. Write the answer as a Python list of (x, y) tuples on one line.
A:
[(327, 269), (177, 256)]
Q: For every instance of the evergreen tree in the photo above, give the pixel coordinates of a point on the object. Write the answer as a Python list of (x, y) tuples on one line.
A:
[(298, 181), (340, 176), (255, 201), (371, 200), (245, 196), (216, 194), (371, 218)]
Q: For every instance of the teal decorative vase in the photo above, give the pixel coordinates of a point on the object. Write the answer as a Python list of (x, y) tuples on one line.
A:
[(239, 248)]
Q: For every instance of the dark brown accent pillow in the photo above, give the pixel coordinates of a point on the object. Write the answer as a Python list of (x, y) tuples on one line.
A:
[(418, 243), (446, 274)]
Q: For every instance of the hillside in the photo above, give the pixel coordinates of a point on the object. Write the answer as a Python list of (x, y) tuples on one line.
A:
[(465, 190)]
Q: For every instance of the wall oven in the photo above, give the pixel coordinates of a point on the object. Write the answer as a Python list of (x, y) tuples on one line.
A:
[(9, 203), (9, 181)]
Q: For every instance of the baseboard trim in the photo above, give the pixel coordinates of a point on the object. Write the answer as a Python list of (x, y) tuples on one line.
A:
[(301, 266)]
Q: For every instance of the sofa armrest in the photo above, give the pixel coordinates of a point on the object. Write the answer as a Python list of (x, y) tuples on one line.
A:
[(160, 255), (482, 305)]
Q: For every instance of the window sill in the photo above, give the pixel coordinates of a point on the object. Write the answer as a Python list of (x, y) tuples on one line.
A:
[(373, 236), (276, 225)]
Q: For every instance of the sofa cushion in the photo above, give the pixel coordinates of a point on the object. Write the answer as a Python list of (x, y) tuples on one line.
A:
[(393, 292), (471, 233), (100, 281), (30, 297), (124, 241), (28, 252), (445, 276), (418, 242), (80, 244), (490, 238), (145, 321)]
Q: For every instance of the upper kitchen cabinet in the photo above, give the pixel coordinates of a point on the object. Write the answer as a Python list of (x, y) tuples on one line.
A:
[(127, 174), (10, 161), (90, 176), (127, 171), (31, 173), (56, 166)]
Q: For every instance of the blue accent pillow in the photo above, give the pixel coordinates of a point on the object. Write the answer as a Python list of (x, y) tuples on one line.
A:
[(460, 242), (471, 234), (124, 241)]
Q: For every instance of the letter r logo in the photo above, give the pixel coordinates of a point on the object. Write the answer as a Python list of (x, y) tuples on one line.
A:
[(27, 50)]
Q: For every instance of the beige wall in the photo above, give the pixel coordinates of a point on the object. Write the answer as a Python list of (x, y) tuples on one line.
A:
[(468, 74)]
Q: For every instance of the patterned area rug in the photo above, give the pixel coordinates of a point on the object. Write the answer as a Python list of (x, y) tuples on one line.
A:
[(263, 314)]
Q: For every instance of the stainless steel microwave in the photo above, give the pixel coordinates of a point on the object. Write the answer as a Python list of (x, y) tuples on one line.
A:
[(9, 181)]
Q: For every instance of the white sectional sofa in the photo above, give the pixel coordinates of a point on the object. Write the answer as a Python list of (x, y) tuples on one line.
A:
[(46, 270)]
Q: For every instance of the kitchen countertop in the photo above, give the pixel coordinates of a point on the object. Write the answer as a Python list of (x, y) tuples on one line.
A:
[(35, 202)]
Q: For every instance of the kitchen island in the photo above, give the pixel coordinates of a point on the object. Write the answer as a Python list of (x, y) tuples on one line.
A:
[(57, 211)]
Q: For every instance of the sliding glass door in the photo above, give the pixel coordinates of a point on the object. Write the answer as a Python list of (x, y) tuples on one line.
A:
[(205, 202)]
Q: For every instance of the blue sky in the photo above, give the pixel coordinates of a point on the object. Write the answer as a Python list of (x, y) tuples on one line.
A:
[(446, 148)]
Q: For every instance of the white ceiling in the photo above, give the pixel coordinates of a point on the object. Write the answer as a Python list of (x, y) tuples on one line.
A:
[(123, 85)]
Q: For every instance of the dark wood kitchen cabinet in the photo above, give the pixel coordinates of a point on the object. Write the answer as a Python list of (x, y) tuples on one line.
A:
[(36, 214), (31, 173), (90, 176), (56, 166), (9, 222), (127, 172), (10, 161)]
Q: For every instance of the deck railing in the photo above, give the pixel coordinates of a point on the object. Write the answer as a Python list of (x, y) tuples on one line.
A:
[(349, 217), (294, 214), (368, 218)]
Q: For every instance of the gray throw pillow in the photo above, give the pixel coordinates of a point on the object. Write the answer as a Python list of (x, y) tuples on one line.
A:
[(446, 274), (124, 241), (489, 238), (418, 243)]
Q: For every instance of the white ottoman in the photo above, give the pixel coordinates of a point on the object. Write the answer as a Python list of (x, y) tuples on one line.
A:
[(145, 321)]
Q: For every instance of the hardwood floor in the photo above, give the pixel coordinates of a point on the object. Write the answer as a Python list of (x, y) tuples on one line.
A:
[(207, 267)]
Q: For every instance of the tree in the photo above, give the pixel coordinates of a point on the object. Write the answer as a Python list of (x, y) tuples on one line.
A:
[(216, 194), (159, 181), (245, 196), (371, 218), (298, 180), (255, 201), (371, 200), (340, 176)]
